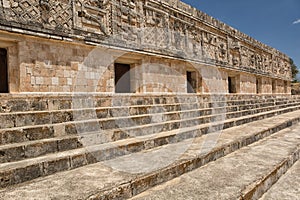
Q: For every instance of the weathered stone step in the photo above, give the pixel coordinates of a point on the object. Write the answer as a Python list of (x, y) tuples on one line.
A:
[(91, 154), (166, 122), (15, 103), (287, 187), (30, 149), (244, 174), (122, 128), (20, 103), (128, 124), (130, 175), (19, 119)]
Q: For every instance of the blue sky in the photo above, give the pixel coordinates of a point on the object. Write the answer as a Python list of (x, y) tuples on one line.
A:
[(273, 22)]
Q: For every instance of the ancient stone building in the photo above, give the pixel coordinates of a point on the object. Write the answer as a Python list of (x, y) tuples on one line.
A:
[(68, 131), (131, 46)]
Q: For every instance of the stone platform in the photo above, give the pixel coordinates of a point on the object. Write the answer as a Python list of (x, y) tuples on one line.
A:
[(117, 146)]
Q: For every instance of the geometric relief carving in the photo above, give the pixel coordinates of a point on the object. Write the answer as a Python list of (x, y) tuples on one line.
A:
[(215, 48), (155, 33), (252, 59), (267, 63), (178, 32), (222, 50), (23, 11), (259, 62), (127, 19), (210, 48), (50, 13), (92, 16), (275, 69), (60, 14), (283, 68), (152, 24), (245, 54), (154, 37), (196, 41), (234, 53), (234, 58)]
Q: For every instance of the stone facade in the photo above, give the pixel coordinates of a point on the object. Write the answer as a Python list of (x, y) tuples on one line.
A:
[(73, 45)]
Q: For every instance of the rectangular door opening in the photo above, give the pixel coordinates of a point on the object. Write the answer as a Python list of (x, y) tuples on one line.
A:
[(3, 71), (258, 85), (285, 87), (231, 85), (122, 78), (274, 84), (191, 82)]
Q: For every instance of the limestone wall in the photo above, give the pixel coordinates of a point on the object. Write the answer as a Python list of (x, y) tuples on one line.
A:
[(266, 85), (247, 84), (43, 65), (50, 66)]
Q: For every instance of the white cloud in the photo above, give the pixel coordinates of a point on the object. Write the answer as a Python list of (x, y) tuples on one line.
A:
[(296, 22)]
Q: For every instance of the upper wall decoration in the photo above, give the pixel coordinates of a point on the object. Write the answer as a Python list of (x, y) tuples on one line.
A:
[(168, 27)]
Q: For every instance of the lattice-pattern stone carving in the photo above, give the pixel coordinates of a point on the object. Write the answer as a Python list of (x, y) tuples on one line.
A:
[(22, 11), (60, 14), (47, 13)]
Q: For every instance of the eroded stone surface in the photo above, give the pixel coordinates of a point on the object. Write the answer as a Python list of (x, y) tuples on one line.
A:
[(92, 179), (287, 187), (227, 177)]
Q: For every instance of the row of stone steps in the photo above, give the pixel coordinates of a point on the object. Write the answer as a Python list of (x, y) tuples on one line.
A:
[(32, 132), (29, 152), (27, 103), (126, 176), (89, 153), (29, 149), (245, 174), (19, 119), (287, 187)]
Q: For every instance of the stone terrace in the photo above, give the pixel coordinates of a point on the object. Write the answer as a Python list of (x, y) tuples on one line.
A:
[(111, 147)]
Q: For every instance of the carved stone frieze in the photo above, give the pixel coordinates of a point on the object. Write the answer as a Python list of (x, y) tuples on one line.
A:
[(91, 15), (47, 13), (167, 26)]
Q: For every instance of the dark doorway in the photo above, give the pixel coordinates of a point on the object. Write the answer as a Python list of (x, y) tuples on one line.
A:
[(3, 71), (122, 78), (274, 85), (231, 85), (191, 82), (285, 87), (258, 85)]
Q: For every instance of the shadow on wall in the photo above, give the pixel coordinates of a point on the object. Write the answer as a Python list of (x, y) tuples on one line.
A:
[(295, 88)]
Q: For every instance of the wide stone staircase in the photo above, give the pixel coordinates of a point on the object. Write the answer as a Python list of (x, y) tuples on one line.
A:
[(118, 146)]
